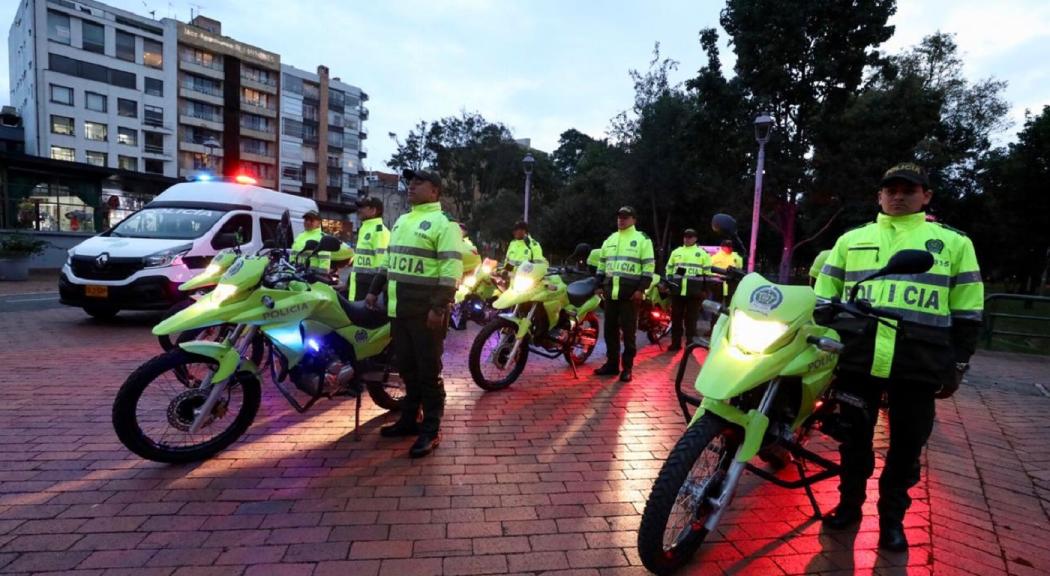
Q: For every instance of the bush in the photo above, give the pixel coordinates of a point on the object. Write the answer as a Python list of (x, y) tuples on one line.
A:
[(21, 246)]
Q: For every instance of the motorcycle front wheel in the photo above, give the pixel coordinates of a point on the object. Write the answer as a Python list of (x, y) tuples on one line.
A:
[(157, 404), (490, 363), (672, 526)]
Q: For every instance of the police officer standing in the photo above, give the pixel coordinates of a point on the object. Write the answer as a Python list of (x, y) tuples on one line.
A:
[(523, 248), (372, 241), (420, 272), (923, 359), (695, 262), (625, 268), (727, 258)]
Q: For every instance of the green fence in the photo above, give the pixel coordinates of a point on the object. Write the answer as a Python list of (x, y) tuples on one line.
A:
[(1017, 323)]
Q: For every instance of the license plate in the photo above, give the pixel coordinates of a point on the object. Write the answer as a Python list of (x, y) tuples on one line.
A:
[(96, 291)]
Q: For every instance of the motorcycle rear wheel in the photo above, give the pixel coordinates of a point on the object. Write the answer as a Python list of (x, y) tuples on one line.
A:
[(168, 371), (580, 350), (672, 526)]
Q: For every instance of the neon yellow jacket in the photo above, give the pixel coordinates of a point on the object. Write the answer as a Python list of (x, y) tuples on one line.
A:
[(322, 260), (627, 263), (372, 241), (527, 250), (697, 263)]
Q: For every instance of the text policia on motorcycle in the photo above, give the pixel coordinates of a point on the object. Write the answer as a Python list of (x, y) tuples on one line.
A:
[(372, 241), (423, 265), (924, 358), (626, 269)]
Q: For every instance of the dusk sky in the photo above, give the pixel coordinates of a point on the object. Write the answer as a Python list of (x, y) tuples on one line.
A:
[(544, 66)]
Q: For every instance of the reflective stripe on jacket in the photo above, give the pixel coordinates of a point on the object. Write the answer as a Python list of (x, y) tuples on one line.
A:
[(627, 263)]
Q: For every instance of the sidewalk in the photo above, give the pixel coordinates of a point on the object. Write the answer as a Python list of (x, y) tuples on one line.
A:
[(39, 281)]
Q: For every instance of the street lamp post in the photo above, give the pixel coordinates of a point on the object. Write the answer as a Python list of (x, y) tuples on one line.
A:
[(763, 126), (527, 163)]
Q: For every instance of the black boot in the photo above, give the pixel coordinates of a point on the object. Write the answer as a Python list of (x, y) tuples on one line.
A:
[(425, 444), (626, 375), (843, 516), (607, 370), (399, 429), (892, 538)]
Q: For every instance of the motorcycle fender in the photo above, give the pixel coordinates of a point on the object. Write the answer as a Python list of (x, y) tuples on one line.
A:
[(228, 357), (729, 372), (197, 315), (523, 324), (754, 424)]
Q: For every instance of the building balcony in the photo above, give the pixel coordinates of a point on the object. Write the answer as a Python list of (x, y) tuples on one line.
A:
[(259, 110), (364, 96), (200, 96), (213, 70), (155, 152), (362, 132), (210, 121), (260, 86), (364, 112), (363, 152), (258, 135), (261, 159)]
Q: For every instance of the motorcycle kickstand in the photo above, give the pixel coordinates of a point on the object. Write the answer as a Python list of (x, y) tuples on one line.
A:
[(357, 418), (572, 363), (817, 514)]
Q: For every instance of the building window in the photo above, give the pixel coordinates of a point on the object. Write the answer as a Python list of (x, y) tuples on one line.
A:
[(127, 136), (202, 85), (259, 75), (311, 90), (200, 58), (63, 125), (152, 53), (91, 71), (96, 158), (291, 172), (253, 146), (293, 128), (127, 108), (94, 37), (96, 131), (128, 163), (154, 143), (335, 139), (256, 98), (58, 27), (154, 166), (197, 135), (309, 134), (310, 112), (257, 170), (202, 111), (256, 122), (61, 94), (125, 46), (154, 115), (60, 153), (154, 87), (96, 102), (336, 100)]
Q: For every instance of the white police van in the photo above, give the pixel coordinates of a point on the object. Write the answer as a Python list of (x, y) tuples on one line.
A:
[(139, 263)]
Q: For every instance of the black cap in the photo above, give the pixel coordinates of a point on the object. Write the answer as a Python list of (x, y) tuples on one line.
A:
[(432, 177), (311, 214), (521, 225), (370, 202), (908, 172), (727, 243), (689, 232), (626, 211)]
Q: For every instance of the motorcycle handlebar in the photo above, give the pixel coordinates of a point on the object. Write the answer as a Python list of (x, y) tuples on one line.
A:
[(734, 272)]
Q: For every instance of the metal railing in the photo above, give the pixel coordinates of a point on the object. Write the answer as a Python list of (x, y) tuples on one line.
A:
[(991, 317)]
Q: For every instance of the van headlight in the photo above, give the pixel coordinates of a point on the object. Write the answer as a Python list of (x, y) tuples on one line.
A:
[(754, 336), (169, 257), (69, 257)]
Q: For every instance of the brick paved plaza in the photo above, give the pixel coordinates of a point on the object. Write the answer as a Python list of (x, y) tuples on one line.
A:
[(548, 477)]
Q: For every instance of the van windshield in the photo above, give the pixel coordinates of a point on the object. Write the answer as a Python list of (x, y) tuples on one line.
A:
[(168, 223)]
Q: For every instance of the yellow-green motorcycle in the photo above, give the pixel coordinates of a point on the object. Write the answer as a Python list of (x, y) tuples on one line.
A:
[(475, 295), (189, 403)]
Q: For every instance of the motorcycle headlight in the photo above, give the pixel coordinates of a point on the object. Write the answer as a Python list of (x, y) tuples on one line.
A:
[(470, 281), (754, 336), (169, 257), (522, 283), (486, 269), (222, 292)]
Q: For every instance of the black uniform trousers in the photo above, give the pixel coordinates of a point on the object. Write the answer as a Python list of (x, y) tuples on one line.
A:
[(418, 351), (620, 316), (911, 412), (361, 289), (684, 310)]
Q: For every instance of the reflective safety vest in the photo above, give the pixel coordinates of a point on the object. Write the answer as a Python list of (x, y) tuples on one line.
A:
[(696, 262), (818, 264), (950, 291), (726, 260), (424, 261), (372, 241), (521, 251), (627, 262), (322, 261)]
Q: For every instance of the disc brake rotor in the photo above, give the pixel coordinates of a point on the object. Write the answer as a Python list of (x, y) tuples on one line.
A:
[(182, 410)]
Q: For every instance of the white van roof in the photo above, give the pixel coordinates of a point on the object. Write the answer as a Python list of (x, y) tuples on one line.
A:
[(234, 196)]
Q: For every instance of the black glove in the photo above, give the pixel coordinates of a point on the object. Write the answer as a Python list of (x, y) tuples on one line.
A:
[(950, 387)]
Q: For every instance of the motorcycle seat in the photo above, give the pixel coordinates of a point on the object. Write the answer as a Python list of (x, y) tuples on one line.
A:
[(363, 316), (580, 292)]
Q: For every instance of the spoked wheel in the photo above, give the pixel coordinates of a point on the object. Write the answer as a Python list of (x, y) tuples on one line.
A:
[(672, 526), (584, 340), (388, 394), (490, 363), (155, 408)]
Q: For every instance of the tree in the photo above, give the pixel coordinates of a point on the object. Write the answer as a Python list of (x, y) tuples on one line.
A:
[(571, 146)]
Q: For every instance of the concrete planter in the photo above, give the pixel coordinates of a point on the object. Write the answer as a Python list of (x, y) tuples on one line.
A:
[(14, 268)]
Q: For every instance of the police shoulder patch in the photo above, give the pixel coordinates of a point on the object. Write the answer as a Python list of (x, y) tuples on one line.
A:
[(424, 225), (934, 246)]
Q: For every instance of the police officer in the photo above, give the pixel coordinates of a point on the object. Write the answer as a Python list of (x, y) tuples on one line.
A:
[(420, 272), (523, 248), (685, 303), (471, 256), (818, 264), (320, 262), (625, 267), (372, 241), (924, 358), (726, 258)]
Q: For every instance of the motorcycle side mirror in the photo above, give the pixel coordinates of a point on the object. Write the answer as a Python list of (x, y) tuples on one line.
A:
[(227, 240), (903, 262), (724, 225), (330, 244), (284, 231), (310, 246)]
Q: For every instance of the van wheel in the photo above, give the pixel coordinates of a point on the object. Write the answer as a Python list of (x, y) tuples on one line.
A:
[(101, 311)]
